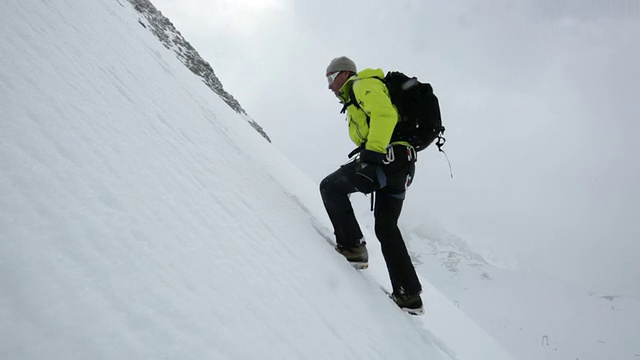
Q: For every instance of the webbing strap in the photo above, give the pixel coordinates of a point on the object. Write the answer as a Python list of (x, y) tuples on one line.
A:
[(352, 101), (440, 142)]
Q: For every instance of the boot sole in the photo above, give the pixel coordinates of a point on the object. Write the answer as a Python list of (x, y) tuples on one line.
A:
[(419, 311), (359, 266)]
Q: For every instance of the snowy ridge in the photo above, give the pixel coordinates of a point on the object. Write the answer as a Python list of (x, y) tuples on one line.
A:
[(533, 317), (141, 220), (171, 38), (452, 251)]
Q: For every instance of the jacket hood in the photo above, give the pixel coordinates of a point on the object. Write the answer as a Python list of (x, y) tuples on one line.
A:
[(369, 73), (364, 74)]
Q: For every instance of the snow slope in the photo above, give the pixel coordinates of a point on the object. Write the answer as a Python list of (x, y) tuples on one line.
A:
[(534, 317), (142, 218)]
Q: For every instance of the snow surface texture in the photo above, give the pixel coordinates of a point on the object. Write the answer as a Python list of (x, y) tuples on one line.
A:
[(535, 318), (171, 38), (139, 219)]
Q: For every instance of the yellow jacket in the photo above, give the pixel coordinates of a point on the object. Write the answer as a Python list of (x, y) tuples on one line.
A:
[(374, 121)]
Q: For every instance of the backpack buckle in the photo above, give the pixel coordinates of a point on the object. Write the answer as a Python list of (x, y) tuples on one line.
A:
[(440, 142)]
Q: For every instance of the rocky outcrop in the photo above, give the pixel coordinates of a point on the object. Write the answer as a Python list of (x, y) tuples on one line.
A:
[(171, 38)]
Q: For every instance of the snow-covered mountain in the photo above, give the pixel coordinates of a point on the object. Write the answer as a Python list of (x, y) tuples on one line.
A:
[(140, 219), (171, 38), (534, 317)]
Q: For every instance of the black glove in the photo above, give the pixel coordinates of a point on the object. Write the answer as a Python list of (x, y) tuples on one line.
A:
[(372, 157), (366, 179), (356, 151)]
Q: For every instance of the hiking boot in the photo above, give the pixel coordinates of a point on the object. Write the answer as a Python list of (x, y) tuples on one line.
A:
[(409, 303), (357, 255)]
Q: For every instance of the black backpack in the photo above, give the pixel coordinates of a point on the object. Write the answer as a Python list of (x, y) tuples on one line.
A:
[(418, 108)]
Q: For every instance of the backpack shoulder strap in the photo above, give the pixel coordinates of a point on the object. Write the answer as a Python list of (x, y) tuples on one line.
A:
[(352, 97), (352, 101)]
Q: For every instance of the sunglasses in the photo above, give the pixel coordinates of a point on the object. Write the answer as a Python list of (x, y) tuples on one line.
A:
[(331, 78)]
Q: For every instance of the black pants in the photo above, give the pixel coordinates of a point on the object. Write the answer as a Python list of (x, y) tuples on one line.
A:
[(335, 190)]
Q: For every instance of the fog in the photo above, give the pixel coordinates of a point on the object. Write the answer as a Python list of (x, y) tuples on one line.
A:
[(539, 99)]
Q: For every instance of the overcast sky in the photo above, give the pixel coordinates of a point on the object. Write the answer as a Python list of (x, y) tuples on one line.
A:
[(539, 98)]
